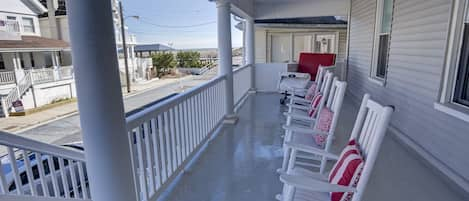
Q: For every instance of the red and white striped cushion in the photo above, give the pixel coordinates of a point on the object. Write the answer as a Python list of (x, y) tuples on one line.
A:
[(347, 171), (314, 104), (311, 92), (323, 124)]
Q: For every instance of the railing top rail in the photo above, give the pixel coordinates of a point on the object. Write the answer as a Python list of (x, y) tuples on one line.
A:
[(16, 141), (241, 68), (139, 117)]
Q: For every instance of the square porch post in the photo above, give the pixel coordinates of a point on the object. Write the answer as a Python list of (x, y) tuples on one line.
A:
[(100, 101), (225, 54)]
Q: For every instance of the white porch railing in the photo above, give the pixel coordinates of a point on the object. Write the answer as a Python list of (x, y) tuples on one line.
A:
[(166, 136), (241, 82), (7, 77), (25, 171), (65, 72), (42, 75)]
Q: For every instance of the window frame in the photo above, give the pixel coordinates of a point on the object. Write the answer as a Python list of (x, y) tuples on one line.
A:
[(446, 102), (2, 62), (377, 43), (33, 27)]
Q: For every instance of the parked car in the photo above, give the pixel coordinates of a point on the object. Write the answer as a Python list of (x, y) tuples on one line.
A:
[(20, 162)]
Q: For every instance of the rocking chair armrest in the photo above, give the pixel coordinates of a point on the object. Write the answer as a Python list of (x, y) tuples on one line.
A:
[(313, 184), (300, 107), (295, 99), (304, 130), (297, 75), (311, 150), (299, 117)]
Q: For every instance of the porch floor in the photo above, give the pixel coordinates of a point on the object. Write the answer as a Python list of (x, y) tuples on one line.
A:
[(240, 163)]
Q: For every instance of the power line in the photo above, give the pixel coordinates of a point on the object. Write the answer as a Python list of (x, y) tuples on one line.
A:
[(177, 26)]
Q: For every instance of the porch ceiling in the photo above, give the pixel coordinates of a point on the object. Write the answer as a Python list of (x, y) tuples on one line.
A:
[(279, 9)]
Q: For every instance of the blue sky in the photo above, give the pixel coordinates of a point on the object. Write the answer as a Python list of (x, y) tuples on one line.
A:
[(184, 23)]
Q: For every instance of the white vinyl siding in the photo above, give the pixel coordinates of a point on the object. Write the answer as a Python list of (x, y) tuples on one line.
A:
[(415, 65)]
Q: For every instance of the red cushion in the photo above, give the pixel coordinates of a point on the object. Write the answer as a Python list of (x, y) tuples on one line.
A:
[(347, 171), (314, 104), (310, 93), (310, 62), (323, 124)]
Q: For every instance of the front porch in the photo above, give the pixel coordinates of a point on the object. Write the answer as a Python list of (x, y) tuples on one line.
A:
[(240, 162)]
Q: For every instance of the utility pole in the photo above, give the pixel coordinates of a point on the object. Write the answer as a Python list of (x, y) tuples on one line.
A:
[(124, 48)]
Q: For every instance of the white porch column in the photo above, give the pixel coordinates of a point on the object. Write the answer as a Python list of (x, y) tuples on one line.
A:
[(225, 64), (251, 51), (100, 100)]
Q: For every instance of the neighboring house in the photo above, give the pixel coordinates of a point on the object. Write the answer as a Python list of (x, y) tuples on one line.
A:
[(27, 57), (54, 24), (145, 50)]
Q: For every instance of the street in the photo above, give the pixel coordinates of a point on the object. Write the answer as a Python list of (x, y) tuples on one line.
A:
[(67, 130)]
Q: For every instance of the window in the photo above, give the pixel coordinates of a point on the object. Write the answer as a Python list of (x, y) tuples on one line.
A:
[(286, 47), (11, 18), (280, 48), (461, 91), (2, 62), (384, 13), (454, 93), (28, 25)]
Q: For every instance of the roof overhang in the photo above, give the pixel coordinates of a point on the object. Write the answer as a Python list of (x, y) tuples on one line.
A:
[(33, 44)]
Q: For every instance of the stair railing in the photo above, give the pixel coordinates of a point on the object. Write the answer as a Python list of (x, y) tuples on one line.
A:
[(18, 91)]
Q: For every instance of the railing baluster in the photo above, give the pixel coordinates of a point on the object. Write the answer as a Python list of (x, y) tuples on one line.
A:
[(15, 171), (42, 175), (185, 125), (162, 147), (29, 173), (55, 185), (167, 143), (73, 174), (177, 134), (3, 183), (180, 121), (141, 164), (154, 137), (190, 130), (172, 133), (81, 172), (146, 132), (63, 174)]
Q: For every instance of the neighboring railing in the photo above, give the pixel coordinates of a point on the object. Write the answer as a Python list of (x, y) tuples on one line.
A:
[(7, 77), (42, 75), (15, 94), (25, 172), (65, 72), (166, 136), (241, 82), (50, 74)]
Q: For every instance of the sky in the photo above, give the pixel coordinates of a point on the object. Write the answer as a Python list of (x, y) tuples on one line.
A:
[(184, 24)]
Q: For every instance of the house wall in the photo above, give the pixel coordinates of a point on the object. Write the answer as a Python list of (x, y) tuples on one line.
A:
[(416, 62), (19, 16), (62, 28)]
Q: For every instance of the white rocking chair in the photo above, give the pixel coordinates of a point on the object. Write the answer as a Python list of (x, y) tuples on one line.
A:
[(295, 84), (299, 134), (369, 130), (301, 107)]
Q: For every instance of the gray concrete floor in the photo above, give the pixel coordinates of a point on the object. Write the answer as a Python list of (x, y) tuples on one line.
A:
[(240, 164)]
